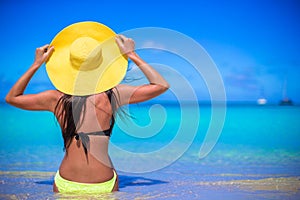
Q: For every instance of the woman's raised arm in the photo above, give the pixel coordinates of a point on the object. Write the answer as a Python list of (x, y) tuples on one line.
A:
[(40, 101), (134, 94)]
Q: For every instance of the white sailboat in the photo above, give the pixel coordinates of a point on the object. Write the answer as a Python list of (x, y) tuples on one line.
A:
[(262, 100)]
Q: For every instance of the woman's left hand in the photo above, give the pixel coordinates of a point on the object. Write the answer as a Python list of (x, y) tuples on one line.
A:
[(42, 54), (126, 45)]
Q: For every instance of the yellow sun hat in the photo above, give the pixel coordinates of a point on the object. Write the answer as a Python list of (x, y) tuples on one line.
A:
[(86, 59)]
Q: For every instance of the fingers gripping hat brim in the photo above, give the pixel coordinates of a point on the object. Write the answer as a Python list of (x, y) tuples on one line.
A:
[(70, 80)]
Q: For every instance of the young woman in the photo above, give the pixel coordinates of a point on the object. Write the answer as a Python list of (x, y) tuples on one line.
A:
[(86, 121)]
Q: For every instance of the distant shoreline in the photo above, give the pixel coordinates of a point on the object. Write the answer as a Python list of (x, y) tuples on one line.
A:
[(202, 103)]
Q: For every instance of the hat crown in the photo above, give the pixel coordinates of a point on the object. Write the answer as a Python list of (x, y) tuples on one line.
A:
[(85, 54), (88, 46)]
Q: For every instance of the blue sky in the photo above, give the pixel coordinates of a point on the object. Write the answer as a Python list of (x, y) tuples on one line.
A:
[(254, 44)]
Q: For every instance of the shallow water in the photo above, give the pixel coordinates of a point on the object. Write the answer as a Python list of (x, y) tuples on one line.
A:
[(256, 157)]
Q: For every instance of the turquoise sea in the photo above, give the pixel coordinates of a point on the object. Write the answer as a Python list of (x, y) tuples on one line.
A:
[(256, 157)]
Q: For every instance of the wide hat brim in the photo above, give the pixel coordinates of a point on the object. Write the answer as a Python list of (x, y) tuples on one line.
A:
[(68, 79)]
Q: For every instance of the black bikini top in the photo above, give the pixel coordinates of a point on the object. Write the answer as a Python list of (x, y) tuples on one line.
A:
[(84, 137)]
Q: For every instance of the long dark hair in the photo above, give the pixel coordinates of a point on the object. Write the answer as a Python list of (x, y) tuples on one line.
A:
[(70, 111)]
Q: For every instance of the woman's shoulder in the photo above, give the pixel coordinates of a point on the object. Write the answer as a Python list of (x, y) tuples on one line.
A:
[(53, 96), (122, 88), (54, 93)]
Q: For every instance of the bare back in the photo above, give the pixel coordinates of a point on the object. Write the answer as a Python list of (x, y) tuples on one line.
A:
[(95, 166)]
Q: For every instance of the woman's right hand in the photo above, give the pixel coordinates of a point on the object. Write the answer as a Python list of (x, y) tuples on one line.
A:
[(42, 54), (126, 45)]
